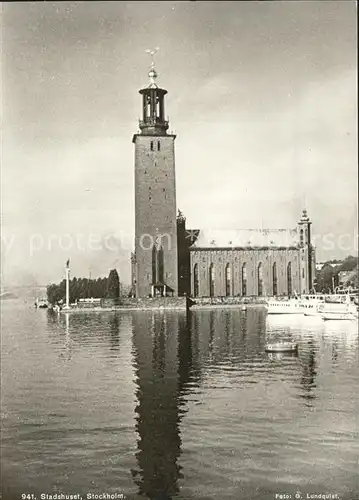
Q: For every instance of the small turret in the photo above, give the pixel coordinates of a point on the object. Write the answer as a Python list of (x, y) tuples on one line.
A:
[(304, 229)]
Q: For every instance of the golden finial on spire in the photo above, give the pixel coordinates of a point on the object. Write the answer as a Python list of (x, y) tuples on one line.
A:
[(152, 73)]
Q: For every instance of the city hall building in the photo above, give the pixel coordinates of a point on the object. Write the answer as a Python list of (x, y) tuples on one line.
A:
[(170, 259)]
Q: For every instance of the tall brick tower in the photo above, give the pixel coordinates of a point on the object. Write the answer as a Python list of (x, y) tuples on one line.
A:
[(155, 259)]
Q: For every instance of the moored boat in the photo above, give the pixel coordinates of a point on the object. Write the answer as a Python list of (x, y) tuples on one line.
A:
[(41, 303), (315, 305), (337, 316), (281, 347), (288, 306)]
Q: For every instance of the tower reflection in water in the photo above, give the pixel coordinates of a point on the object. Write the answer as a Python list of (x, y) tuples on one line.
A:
[(309, 372), (163, 364)]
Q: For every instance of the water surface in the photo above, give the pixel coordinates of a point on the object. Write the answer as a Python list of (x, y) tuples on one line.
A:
[(160, 405)]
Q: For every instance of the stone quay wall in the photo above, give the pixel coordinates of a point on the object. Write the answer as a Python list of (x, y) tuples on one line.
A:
[(128, 304), (228, 301)]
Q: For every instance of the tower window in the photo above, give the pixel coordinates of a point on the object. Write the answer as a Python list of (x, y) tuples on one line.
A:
[(158, 146), (151, 145)]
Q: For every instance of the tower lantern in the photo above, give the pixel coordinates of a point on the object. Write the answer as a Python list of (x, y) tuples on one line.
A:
[(153, 107)]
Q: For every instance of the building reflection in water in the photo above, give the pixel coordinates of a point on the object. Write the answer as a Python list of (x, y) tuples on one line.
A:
[(114, 332), (162, 356), (335, 351), (309, 372), (227, 336)]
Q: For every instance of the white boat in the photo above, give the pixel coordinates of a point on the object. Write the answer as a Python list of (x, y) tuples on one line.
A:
[(41, 303), (310, 304), (281, 347), (345, 316), (347, 311), (288, 306), (315, 305)]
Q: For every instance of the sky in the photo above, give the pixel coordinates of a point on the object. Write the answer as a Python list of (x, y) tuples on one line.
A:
[(262, 97)]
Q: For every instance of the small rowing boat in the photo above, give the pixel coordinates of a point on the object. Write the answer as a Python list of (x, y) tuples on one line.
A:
[(281, 347)]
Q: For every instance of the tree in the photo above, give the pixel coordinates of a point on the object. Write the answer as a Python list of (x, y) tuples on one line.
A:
[(55, 293), (349, 264), (113, 285), (80, 288), (324, 279)]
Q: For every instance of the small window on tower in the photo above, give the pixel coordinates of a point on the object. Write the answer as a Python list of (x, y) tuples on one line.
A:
[(158, 146), (151, 145)]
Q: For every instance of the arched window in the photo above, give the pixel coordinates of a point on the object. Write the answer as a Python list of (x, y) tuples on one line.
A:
[(154, 265), (195, 281), (244, 280), (260, 279), (158, 146), (228, 280), (211, 280), (275, 279), (160, 265), (151, 145), (289, 278), (157, 265), (301, 236)]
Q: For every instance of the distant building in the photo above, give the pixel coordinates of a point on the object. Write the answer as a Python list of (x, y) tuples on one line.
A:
[(344, 277), (170, 258), (319, 265)]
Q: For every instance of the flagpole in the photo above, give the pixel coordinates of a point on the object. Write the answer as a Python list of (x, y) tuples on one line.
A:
[(68, 284)]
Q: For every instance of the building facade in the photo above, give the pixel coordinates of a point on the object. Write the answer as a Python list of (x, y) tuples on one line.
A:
[(171, 259), (249, 262)]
